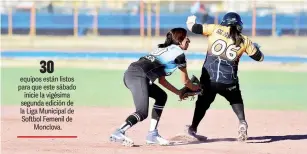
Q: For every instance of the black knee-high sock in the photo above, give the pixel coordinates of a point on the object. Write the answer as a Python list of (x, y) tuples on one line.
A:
[(239, 110), (199, 113), (130, 121), (155, 116), (198, 116)]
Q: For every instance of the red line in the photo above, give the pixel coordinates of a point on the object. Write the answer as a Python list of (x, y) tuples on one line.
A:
[(46, 136)]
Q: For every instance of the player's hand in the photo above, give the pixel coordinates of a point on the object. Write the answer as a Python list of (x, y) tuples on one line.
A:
[(185, 93), (181, 96), (195, 87), (191, 19)]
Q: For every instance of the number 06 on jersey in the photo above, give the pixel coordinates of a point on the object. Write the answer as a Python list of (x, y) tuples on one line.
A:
[(220, 46)]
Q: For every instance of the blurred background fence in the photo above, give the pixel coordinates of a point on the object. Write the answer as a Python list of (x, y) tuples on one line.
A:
[(147, 17)]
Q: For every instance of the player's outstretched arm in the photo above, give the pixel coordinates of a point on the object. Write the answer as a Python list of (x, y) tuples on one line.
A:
[(205, 29), (193, 26), (168, 85), (258, 55)]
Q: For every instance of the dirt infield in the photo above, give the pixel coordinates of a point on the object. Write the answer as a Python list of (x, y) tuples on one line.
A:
[(271, 132)]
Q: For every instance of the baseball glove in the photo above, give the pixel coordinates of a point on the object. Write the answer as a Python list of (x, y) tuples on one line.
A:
[(186, 92)]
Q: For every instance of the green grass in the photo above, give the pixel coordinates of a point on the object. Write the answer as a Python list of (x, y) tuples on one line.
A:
[(260, 89)]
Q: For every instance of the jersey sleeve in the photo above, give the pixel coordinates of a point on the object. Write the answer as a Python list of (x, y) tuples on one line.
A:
[(208, 29), (250, 48), (253, 51), (181, 61)]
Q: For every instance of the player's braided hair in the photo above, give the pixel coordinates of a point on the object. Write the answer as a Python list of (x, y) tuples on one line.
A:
[(174, 36), (235, 34)]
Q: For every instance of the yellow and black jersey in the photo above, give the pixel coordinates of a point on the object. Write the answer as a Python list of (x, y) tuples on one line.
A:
[(223, 55)]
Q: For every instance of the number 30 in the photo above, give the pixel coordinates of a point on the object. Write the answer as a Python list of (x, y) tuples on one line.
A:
[(47, 66), (231, 51)]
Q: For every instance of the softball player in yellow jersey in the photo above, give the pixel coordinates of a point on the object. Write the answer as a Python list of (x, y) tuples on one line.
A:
[(219, 72)]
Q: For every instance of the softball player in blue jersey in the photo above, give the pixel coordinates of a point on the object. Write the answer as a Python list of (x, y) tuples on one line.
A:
[(139, 78)]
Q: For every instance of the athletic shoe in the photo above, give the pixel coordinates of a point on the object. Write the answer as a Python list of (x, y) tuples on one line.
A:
[(119, 136), (242, 131), (153, 137), (190, 132)]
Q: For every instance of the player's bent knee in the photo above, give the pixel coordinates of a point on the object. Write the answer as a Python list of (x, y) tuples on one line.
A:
[(161, 100), (142, 115), (206, 106), (202, 104), (236, 102), (163, 97)]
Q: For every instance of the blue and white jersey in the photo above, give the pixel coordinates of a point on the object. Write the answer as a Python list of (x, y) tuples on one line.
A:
[(162, 62)]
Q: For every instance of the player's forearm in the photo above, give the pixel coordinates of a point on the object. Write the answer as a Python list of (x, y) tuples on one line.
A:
[(168, 86), (186, 80), (258, 56)]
